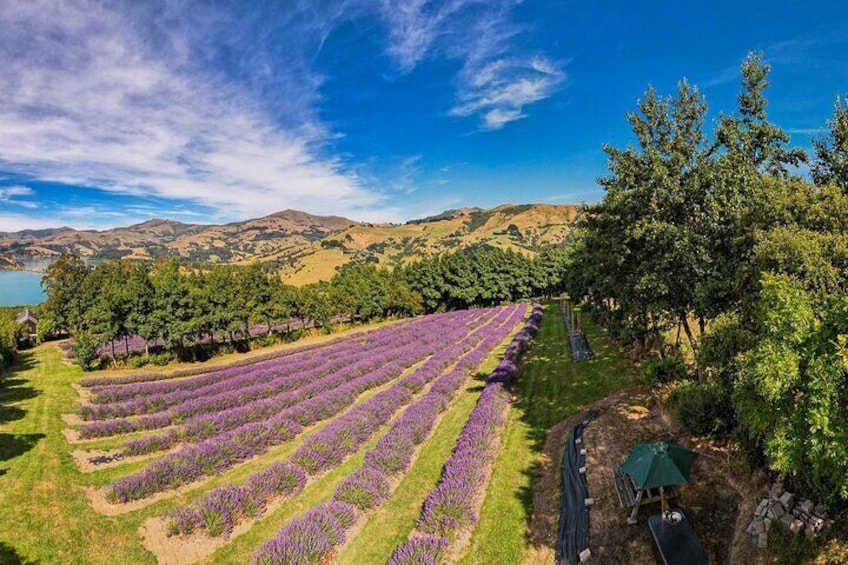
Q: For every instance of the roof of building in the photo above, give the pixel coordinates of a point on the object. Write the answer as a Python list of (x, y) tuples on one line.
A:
[(26, 316)]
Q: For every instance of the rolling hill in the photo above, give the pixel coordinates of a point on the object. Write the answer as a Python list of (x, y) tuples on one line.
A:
[(306, 247), (238, 241), (524, 227)]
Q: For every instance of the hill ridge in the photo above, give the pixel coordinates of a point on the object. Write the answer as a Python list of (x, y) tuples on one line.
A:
[(307, 247)]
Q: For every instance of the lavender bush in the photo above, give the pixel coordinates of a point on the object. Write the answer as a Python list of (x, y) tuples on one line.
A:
[(368, 486), (451, 505), (321, 451), (422, 550)]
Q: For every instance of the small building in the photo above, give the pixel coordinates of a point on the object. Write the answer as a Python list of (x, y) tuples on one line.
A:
[(29, 322)]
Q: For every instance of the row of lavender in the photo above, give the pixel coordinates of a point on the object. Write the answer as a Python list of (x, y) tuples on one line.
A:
[(118, 389), (239, 433), (166, 403), (219, 511), (312, 537), (453, 504), (98, 381), (353, 373)]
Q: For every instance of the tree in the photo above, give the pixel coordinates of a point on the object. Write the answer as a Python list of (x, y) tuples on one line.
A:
[(313, 304), (8, 342), (831, 163), (284, 304), (749, 137), (790, 394), (173, 313), (62, 283), (645, 248), (254, 290)]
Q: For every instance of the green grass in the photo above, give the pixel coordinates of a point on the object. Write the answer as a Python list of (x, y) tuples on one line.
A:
[(44, 514), (551, 388)]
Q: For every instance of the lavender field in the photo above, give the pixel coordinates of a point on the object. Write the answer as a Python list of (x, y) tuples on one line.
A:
[(286, 456)]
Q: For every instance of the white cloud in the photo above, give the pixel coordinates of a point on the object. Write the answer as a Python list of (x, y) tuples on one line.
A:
[(8, 193), (415, 25), (90, 99), (502, 97), (497, 80)]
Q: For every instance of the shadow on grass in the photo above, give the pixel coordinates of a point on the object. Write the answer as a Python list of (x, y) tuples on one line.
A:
[(14, 445), (14, 389), (9, 556)]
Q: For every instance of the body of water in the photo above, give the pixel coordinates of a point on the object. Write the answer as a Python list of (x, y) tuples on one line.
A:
[(20, 287)]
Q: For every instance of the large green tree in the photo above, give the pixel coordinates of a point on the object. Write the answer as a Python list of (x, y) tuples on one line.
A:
[(831, 163)]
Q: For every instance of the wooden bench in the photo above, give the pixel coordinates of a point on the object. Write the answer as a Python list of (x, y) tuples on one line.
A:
[(628, 491)]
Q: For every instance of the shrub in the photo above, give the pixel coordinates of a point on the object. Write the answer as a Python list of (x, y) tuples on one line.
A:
[(264, 340), (161, 359), (662, 370), (8, 342), (721, 345), (423, 550), (138, 361), (702, 408), (364, 489), (85, 351)]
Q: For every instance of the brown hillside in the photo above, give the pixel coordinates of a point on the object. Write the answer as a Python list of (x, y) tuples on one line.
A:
[(308, 248)]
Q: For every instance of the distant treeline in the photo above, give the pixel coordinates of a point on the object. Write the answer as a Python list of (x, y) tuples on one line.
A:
[(719, 238), (179, 308)]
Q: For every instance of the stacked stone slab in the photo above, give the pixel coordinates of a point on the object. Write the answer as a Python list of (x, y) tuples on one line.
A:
[(793, 515)]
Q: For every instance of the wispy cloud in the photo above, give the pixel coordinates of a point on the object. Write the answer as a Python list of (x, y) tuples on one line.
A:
[(809, 132), (93, 97), (416, 25), (497, 79), (18, 195), (500, 90), (8, 193)]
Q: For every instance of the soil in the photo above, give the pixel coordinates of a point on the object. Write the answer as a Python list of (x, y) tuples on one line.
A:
[(184, 550), (72, 435), (72, 419), (84, 393), (82, 458), (101, 504), (718, 500)]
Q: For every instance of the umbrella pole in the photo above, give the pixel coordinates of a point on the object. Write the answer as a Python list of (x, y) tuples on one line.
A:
[(662, 501)]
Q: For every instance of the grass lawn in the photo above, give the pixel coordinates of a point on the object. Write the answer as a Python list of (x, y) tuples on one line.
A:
[(44, 514), (551, 387)]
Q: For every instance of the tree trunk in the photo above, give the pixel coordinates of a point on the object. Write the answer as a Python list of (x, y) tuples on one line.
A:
[(689, 335)]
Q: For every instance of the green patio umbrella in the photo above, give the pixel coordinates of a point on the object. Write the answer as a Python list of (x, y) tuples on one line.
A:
[(660, 464)]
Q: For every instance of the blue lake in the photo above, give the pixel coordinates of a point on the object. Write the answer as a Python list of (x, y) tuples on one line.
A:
[(20, 287)]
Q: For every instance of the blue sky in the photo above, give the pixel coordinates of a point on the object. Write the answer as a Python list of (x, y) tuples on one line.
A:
[(115, 112)]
